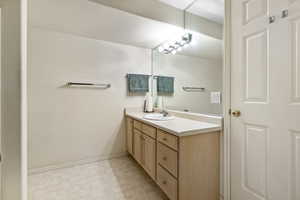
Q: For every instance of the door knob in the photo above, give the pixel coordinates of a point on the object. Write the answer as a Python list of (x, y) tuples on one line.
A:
[(236, 113)]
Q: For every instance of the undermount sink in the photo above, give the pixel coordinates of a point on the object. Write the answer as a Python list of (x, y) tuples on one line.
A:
[(158, 117)]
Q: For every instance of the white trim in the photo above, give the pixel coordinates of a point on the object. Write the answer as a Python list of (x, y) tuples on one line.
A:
[(74, 163), (0, 100), (24, 159), (198, 117), (227, 98), (197, 114)]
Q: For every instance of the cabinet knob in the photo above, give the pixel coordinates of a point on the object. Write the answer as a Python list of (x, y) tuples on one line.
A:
[(164, 182), (164, 139), (165, 158)]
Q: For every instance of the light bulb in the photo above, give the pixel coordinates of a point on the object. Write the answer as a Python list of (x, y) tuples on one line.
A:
[(179, 49), (186, 45), (177, 44), (166, 45), (160, 49), (174, 52)]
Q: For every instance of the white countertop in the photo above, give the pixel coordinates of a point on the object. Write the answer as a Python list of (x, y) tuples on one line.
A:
[(178, 126)]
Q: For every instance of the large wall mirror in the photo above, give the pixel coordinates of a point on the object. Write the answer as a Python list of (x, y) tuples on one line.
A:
[(195, 68)]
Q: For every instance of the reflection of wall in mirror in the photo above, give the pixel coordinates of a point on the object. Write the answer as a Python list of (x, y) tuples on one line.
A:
[(191, 72)]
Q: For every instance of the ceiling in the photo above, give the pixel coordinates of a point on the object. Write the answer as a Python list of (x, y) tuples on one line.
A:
[(89, 19), (210, 9), (85, 18)]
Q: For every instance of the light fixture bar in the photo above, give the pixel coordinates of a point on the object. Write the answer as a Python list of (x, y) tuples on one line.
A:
[(177, 45)]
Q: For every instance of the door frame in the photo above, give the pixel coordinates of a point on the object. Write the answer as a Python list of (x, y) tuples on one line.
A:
[(0, 100), (24, 100), (13, 86), (227, 102)]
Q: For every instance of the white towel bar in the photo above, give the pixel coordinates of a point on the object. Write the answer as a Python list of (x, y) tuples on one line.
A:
[(96, 85), (193, 89)]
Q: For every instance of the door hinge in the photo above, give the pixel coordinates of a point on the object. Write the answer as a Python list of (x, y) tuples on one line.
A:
[(272, 19), (285, 13), (229, 112)]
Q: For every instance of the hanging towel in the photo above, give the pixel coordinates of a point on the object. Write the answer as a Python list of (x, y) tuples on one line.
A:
[(138, 83), (165, 85)]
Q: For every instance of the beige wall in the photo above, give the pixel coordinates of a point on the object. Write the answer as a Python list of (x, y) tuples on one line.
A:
[(191, 72), (72, 124)]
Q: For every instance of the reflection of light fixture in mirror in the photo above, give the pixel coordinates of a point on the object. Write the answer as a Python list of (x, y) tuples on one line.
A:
[(177, 45), (160, 49), (186, 45)]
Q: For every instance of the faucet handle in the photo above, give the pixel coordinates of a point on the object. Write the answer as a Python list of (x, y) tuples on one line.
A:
[(165, 113)]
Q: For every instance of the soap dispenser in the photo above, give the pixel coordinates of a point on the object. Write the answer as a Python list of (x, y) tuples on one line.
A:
[(148, 105), (159, 103)]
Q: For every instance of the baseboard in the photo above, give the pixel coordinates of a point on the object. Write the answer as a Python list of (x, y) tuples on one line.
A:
[(74, 163)]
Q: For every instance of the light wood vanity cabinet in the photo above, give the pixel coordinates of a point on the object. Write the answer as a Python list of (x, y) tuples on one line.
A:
[(129, 135), (137, 146), (167, 183), (144, 148), (185, 168), (149, 157), (149, 130), (167, 158), (167, 139)]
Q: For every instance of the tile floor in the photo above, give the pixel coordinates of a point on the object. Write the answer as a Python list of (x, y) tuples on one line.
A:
[(116, 179)]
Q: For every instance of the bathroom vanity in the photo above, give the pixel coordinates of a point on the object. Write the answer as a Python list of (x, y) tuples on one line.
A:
[(180, 155)]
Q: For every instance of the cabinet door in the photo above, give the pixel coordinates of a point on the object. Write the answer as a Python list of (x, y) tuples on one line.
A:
[(137, 144), (149, 161), (129, 135)]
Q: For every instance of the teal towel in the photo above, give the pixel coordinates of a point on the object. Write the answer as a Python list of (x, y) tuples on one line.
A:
[(165, 84), (138, 83)]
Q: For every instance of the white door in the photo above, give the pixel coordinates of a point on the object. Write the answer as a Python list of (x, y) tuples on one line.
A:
[(265, 139)]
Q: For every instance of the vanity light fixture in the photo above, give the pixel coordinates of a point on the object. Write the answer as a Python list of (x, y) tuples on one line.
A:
[(176, 45)]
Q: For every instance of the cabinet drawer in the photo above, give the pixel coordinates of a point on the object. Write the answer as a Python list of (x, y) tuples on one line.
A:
[(149, 130), (167, 183), (167, 139), (167, 158), (137, 125)]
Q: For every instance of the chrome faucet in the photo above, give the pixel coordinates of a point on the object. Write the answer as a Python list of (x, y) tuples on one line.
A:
[(165, 113)]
